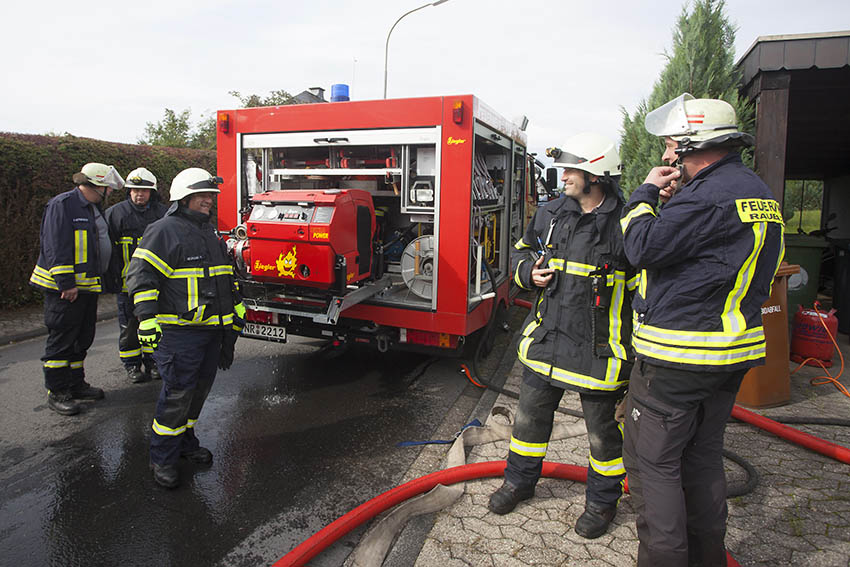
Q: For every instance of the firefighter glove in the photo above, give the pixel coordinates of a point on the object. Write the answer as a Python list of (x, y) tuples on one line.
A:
[(228, 346), (149, 332), (238, 317)]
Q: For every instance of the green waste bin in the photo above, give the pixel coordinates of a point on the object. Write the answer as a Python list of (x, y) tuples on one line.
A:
[(807, 252), (841, 286)]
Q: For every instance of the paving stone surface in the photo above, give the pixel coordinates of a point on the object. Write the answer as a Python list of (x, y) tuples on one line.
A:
[(798, 514)]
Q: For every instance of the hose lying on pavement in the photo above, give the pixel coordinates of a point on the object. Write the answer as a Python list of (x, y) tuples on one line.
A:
[(433, 482), (311, 547), (317, 543)]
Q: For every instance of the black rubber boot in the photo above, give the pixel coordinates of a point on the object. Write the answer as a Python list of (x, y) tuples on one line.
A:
[(505, 499), (135, 374), (201, 456), (165, 475), (85, 391), (153, 371), (595, 520), (62, 403)]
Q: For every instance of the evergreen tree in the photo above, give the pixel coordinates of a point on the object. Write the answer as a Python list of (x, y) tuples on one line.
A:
[(702, 64)]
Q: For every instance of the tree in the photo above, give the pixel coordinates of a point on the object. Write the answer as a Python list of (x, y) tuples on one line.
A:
[(175, 130), (275, 98), (702, 64), (172, 130)]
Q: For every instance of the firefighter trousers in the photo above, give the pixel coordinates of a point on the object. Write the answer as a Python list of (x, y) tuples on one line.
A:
[(538, 401), (674, 458), (132, 354), (70, 332), (187, 360)]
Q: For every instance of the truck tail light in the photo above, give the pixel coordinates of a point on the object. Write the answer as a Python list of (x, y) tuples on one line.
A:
[(457, 112), (427, 338), (224, 122), (260, 317)]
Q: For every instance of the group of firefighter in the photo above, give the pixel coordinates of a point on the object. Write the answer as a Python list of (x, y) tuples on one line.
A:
[(649, 309), (179, 308)]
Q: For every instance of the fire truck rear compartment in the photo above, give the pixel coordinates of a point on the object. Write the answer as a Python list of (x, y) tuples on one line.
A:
[(445, 199)]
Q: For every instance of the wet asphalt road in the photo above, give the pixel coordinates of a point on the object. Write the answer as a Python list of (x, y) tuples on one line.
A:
[(299, 439)]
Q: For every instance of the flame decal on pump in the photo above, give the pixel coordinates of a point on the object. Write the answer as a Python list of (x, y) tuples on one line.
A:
[(286, 264)]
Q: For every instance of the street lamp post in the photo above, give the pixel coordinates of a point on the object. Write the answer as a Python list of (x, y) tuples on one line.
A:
[(387, 47)]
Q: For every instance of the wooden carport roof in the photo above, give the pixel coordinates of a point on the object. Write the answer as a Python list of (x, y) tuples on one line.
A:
[(801, 84)]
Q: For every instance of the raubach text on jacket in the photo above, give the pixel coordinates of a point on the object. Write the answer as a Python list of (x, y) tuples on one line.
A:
[(707, 260), (577, 335)]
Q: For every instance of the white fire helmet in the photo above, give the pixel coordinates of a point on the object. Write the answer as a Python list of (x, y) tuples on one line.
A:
[(140, 178), (100, 175), (193, 180), (590, 152), (697, 123)]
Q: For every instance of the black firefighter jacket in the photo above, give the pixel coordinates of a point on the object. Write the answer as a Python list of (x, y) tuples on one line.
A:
[(577, 333), (69, 253), (127, 223), (707, 261), (181, 273)]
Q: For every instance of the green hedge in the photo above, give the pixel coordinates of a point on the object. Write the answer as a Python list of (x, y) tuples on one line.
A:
[(33, 169)]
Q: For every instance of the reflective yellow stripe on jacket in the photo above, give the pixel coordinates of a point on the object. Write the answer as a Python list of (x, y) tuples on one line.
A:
[(126, 243), (641, 209), (608, 384), (734, 344)]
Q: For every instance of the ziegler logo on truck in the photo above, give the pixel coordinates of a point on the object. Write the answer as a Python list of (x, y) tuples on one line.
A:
[(258, 267)]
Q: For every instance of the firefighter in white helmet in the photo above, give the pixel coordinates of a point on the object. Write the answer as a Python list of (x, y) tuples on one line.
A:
[(127, 222), (708, 258), (577, 335), (71, 271), (189, 309)]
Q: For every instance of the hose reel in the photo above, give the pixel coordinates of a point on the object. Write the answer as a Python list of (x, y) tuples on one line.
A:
[(417, 266)]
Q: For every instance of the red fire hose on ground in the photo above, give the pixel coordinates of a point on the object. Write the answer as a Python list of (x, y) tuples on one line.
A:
[(322, 539), (368, 510), (317, 543)]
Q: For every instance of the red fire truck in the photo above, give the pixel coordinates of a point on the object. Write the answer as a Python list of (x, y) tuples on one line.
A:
[(388, 222)]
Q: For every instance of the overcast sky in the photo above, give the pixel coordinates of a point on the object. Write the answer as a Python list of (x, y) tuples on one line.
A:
[(104, 69)]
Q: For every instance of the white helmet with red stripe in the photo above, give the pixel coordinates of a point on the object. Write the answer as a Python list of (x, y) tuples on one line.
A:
[(590, 152), (697, 123)]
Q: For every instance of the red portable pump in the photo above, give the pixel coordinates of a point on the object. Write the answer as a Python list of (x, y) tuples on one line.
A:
[(318, 239), (809, 338)]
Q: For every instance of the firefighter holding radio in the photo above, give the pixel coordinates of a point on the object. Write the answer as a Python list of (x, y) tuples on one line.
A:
[(190, 312), (127, 222), (708, 259), (577, 335)]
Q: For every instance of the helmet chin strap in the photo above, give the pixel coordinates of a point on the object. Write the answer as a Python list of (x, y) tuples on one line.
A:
[(102, 194)]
